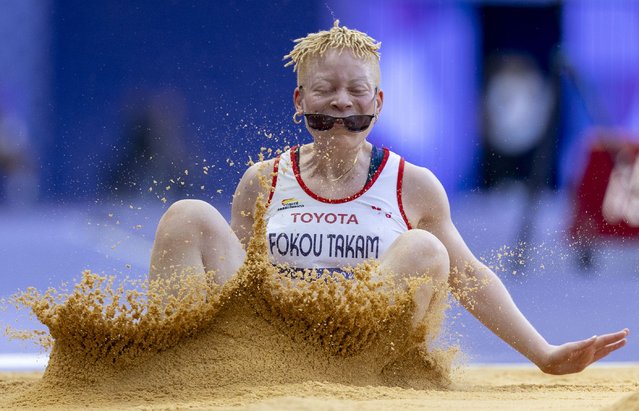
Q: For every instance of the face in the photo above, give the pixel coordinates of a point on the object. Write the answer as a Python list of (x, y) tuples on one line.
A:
[(340, 85)]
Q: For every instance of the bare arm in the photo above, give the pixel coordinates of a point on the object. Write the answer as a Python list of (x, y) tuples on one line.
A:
[(245, 196), (483, 294)]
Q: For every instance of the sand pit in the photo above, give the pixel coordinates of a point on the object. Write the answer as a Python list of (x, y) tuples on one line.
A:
[(265, 341), (473, 388)]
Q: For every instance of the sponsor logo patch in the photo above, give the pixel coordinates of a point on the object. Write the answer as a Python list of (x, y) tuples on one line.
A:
[(290, 203)]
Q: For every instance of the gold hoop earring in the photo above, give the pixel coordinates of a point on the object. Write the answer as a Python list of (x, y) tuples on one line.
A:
[(295, 119)]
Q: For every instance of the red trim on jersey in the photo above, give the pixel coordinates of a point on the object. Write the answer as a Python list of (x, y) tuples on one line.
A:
[(400, 178), (296, 171), (273, 181)]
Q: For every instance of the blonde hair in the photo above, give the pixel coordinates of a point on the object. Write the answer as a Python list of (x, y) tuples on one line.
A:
[(316, 44)]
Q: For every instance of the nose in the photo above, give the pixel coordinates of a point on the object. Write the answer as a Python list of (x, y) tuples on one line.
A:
[(341, 101)]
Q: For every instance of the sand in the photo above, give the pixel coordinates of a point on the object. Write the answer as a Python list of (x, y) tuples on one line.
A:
[(266, 341), (473, 388)]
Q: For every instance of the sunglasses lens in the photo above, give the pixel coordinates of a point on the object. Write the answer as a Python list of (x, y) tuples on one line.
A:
[(323, 122), (320, 122), (358, 122)]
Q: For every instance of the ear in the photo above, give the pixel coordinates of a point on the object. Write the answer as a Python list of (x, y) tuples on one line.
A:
[(297, 100), (380, 101)]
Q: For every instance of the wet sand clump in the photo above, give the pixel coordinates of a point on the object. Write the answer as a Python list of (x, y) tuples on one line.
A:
[(167, 342)]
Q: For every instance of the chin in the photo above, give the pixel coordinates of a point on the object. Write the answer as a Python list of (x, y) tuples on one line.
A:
[(340, 138)]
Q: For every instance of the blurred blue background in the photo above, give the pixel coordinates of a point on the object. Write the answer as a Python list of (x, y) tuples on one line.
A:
[(111, 110)]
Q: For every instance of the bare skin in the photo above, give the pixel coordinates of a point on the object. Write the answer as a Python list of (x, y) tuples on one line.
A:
[(193, 234)]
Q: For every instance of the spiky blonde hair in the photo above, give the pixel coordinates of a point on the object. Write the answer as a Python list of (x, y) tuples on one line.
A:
[(315, 45)]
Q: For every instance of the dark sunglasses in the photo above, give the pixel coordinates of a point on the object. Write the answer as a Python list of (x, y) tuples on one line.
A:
[(323, 122), (356, 122)]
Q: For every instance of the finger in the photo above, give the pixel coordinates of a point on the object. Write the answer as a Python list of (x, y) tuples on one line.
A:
[(602, 352), (583, 344), (607, 339)]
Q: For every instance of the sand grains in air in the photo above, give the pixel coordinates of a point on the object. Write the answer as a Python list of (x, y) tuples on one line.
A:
[(189, 339)]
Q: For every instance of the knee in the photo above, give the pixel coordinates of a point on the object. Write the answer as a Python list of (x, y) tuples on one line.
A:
[(188, 218), (425, 253)]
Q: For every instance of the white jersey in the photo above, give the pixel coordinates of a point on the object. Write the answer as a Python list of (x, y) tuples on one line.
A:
[(305, 230)]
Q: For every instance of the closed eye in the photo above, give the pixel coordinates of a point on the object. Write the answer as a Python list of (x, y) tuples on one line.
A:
[(359, 92)]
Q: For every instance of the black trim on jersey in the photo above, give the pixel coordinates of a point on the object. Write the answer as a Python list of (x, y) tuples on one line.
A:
[(377, 156)]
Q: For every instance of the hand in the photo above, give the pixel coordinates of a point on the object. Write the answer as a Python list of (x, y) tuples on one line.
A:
[(575, 356)]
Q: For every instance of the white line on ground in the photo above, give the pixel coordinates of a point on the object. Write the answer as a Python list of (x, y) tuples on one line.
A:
[(23, 362), (26, 362)]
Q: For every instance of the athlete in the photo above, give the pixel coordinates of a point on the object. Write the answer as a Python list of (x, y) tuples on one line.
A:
[(339, 201)]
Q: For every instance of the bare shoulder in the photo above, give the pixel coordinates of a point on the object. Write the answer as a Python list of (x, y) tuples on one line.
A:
[(255, 181), (424, 198), (257, 177)]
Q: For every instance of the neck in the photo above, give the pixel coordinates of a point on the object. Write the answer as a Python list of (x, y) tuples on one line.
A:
[(330, 162)]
